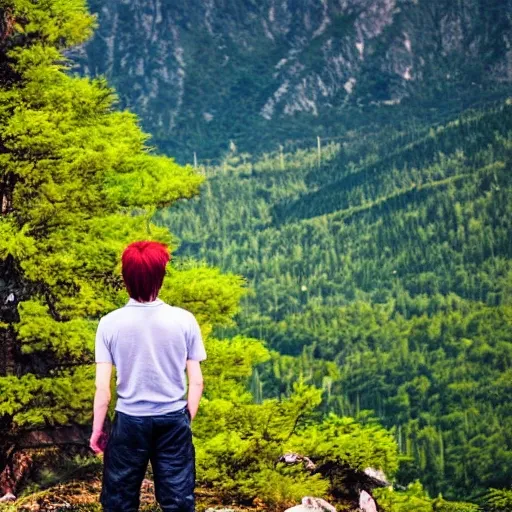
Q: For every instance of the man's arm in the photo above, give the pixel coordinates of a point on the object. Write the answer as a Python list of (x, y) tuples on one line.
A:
[(101, 403), (195, 386)]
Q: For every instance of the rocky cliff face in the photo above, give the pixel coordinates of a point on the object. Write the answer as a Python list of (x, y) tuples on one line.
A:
[(241, 64)]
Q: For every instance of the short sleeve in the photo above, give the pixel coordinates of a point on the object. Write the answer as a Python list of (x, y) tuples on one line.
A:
[(195, 345), (102, 351)]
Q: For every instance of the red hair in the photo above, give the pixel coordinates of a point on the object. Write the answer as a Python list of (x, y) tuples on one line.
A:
[(144, 269)]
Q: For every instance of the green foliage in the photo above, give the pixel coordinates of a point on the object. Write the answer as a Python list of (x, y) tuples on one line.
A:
[(212, 296), (238, 443), (63, 397), (383, 277), (285, 488), (249, 438), (414, 499), (229, 381), (499, 500), (454, 506), (78, 183), (348, 442), (441, 505), (57, 23)]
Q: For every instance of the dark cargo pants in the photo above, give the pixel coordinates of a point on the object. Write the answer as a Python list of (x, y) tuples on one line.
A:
[(164, 440)]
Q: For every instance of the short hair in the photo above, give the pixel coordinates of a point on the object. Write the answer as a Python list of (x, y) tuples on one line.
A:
[(143, 268)]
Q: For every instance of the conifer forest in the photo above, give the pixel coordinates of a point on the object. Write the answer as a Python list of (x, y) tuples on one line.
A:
[(334, 179)]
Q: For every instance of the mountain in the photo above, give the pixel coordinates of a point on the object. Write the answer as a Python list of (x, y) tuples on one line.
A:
[(203, 72)]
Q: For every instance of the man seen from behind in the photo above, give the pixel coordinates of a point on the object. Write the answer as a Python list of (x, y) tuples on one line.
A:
[(152, 345)]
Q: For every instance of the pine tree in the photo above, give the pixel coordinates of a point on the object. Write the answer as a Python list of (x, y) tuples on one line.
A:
[(77, 183)]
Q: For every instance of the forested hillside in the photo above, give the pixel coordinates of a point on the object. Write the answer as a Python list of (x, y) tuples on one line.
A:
[(383, 273)]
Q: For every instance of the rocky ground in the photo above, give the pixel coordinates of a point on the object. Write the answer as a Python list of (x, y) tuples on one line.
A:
[(84, 496)]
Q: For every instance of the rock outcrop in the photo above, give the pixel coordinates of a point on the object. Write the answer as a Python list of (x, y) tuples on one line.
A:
[(190, 67)]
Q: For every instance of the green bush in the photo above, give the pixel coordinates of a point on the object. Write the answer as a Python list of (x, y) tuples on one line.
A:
[(499, 500), (286, 487), (414, 499), (440, 505)]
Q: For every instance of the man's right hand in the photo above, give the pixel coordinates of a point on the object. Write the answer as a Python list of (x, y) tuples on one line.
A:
[(98, 441)]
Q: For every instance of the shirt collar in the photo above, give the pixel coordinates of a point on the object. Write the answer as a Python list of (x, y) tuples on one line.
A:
[(133, 302)]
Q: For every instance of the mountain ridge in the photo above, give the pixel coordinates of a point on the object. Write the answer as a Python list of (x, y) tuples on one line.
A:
[(206, 72)]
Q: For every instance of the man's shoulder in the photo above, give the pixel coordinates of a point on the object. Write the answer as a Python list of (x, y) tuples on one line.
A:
[(178, 310), (181, 313), (123, 310), (114, 315)]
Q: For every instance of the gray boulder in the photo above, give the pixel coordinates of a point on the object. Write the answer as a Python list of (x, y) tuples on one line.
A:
[(313, 505)]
